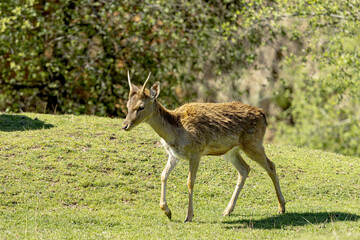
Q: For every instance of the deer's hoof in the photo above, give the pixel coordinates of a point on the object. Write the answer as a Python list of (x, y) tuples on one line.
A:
[(168, 214), (227, 212), (165, 210), (188, 218), (281, 209)]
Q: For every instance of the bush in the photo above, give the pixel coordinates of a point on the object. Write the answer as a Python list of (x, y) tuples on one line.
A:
[(72, 56)]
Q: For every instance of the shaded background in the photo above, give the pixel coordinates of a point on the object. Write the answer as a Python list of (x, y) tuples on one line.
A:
[(298, 60)]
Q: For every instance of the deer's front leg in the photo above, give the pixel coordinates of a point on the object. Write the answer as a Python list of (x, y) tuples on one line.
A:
[(172, 162), (194, 165)]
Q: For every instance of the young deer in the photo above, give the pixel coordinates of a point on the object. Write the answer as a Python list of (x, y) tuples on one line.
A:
[(197, 129)]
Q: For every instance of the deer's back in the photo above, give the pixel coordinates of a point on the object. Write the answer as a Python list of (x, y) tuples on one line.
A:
[(221, 118)]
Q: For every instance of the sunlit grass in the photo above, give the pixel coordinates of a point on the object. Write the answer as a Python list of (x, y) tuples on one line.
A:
[(81, 177)]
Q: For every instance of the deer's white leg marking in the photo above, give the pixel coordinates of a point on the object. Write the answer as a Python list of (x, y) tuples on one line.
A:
[(171, 164)]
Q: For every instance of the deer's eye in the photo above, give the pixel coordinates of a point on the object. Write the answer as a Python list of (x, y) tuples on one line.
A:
[(141, 108)]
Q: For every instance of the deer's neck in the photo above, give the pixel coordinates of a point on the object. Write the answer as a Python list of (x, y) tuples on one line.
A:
[(164, 122)]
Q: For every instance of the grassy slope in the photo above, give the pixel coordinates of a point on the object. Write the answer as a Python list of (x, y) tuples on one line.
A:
[(82, 178)]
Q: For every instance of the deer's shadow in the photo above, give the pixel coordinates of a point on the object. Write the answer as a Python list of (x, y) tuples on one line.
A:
[(11, 123), (319, 219)]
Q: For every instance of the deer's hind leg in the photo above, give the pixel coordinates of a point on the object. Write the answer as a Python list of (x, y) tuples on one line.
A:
[(234, 157), (257, 153)]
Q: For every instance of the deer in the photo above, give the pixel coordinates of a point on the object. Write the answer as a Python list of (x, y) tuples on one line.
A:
[(194, 130)]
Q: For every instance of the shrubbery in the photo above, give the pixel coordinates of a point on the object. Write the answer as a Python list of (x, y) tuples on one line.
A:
[(72, 56)]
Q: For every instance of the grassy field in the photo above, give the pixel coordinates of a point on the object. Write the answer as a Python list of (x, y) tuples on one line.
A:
[(81, 177)]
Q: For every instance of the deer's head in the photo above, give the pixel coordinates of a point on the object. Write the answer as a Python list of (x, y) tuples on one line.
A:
[(140, 104)]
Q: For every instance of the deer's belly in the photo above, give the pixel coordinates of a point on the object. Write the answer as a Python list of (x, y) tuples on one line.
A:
[(216, 146), (221, 145)]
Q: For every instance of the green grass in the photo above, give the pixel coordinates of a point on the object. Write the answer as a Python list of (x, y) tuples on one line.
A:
[(81, 177)]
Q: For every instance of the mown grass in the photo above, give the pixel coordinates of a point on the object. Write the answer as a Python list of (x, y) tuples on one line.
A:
[(81, 177)]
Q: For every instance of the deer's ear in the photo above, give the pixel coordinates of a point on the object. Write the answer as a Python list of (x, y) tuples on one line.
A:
[(155, 90)]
